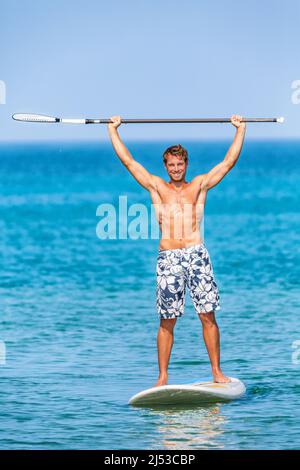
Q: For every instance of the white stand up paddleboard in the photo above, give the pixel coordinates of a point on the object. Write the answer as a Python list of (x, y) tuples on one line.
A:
[(187, 394)]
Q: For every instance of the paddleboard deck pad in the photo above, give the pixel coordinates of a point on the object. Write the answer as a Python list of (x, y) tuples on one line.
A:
[(187, 394)]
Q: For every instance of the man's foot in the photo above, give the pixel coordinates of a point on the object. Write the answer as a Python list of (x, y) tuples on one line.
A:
[(220, 378), (162, 380)]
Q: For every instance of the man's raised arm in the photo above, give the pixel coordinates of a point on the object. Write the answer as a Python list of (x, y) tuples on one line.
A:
[(216, 174), (143, 177)]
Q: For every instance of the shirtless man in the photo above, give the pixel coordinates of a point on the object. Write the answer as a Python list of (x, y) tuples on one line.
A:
[(183, 259)]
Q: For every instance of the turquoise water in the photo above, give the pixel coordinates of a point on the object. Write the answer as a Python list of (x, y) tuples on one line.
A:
[(78, 313)]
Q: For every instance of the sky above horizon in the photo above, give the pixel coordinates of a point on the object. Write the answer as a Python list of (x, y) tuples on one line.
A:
[(143, 59)]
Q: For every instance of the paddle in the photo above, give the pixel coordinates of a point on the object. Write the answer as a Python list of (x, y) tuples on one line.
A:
[(50, 119)]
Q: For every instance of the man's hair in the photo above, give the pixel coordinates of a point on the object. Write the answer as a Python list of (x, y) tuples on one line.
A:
[(176, 150)]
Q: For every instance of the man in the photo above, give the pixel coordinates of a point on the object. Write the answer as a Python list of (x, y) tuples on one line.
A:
[(183, 259)]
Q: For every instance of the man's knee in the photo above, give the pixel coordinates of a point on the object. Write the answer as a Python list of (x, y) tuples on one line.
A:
[(208, 319), (168, 324)]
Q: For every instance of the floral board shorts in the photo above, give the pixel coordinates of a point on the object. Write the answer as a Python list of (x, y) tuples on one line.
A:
[(183, 267)]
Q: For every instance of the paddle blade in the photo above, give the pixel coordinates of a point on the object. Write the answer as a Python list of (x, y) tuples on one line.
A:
[(34, 118)]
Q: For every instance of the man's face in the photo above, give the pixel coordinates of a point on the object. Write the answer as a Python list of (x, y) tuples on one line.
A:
[(176, 167)]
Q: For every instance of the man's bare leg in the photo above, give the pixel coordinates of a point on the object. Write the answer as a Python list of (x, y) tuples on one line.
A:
[(211, 337), (165, 340)]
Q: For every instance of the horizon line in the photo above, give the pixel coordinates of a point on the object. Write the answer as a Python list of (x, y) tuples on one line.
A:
[(148, 140)]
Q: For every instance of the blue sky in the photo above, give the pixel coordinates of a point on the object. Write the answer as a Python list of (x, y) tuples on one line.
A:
[(155, 58)]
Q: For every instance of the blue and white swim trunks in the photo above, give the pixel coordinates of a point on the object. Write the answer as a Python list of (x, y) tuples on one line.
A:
[(183, 267)]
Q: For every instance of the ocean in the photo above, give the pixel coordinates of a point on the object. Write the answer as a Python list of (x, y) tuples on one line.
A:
[(78, 320)]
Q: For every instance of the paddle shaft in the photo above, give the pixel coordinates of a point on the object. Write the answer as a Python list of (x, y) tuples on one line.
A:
[(179, 120)]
